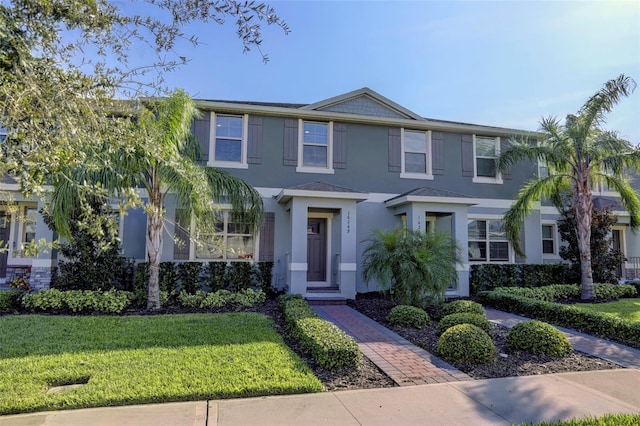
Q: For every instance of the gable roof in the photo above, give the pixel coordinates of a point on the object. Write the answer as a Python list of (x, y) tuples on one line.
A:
[(320, 190), (363, 102), (425, 194)]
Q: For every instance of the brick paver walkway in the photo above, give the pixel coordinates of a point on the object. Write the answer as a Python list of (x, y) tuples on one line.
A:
[(401, 360), (602, 348)]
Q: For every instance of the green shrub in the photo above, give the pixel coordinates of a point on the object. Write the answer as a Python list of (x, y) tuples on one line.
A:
[(168, 278), (607, 326), (488, 277), (188, 300), (10, 300), (538, 338), (216, 275), (78, 301), (331, 347), (265, 277), (458, 306), (466, 342), (242, 275), (559, 292), (464, 318), (189, 275), (408, 316)]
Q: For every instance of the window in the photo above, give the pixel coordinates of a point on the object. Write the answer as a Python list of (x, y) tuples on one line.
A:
[(548, 239), (3, 133), (229, 141), (226, 240), (416, 158), (29, 225), (315, 147), (488, 241), (486, 150), (543, 170)]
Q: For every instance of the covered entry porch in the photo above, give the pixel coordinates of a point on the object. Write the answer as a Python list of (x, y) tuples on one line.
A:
[(321, 260)]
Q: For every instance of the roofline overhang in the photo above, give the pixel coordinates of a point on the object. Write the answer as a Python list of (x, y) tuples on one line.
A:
[(287, 194), (409, 199), (422, 124)]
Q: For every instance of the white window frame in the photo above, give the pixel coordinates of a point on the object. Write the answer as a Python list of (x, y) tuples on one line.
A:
[(485, 179), (226, 210), (301, 168), (428, 154), (554, 237), (19, 231), (242, 164), (487, 240)]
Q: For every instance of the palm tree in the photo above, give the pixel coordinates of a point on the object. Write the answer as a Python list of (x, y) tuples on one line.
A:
[(416, 267), (161, 161), (580, 154)]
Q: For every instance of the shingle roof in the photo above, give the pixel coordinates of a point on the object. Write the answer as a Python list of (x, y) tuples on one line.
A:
[(322, 186), (425, 191)]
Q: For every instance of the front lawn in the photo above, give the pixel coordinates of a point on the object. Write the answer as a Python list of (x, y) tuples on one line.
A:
[(628, 309), (143, 359)]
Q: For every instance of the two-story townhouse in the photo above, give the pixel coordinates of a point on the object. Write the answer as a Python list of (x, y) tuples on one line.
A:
[(331, 172)]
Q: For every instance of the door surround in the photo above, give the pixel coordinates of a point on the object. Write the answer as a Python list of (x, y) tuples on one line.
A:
[(327, 217)]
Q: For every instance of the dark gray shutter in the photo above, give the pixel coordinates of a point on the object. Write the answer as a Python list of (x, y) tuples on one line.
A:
[(339, 146), (290, 157), (201, 129), (467, 156), (181, 236), (504, 144), (254, 140), (267, 236), (395, 150), (437, 146)]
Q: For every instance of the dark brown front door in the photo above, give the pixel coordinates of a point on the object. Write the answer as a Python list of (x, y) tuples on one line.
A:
[(4, 243), (316, 249)]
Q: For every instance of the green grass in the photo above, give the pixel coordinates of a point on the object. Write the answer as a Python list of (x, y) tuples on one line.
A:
[(143, 359), (606, 420), (628, 309)]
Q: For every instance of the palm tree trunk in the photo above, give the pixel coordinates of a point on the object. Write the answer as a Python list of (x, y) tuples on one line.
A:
[(154, 248), (583, 224)]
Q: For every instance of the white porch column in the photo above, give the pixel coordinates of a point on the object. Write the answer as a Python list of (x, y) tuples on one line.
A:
[(347, 269)]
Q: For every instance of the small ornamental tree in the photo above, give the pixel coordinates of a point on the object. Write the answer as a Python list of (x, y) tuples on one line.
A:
[(605, 259)]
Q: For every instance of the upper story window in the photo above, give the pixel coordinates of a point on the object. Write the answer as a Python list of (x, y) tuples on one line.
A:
[(227, 240), (229, 141), (416, 154), (486, 150), (548, 239), (543, 170), (488, 241), (315, 147)]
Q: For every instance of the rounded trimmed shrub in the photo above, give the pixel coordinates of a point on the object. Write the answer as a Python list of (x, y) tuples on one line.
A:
[(408, 316), (537, 337), (458, 306), (466, 342), (464, 318)]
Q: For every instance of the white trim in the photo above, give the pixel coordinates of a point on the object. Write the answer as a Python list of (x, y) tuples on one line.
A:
[(556, 239), (327, 218), (424, 123), (242, 164), (497, 180), (428, 156), (301, 168), (298, 267), (348, 267), (286, 194)]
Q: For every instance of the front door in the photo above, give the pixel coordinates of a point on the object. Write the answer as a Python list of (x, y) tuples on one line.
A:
[(4, 243), (317, 249)]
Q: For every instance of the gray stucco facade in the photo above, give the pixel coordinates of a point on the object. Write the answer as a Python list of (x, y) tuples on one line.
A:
[(331, 172)]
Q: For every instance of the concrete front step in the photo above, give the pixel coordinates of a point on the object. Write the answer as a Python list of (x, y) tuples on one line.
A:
[(318, 299)]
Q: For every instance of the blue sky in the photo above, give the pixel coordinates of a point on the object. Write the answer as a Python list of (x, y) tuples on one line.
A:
[(502, 63)]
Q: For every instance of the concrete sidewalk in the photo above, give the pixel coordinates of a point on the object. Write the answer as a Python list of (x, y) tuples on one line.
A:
[(505, 401)]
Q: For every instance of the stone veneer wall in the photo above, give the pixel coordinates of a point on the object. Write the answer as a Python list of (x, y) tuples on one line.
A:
[(40, 278)]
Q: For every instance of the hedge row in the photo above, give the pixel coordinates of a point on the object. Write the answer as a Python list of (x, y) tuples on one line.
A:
[(78, 301), (222, 298), (559, 292), (329, 345), (606, 326), (487, 277)]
